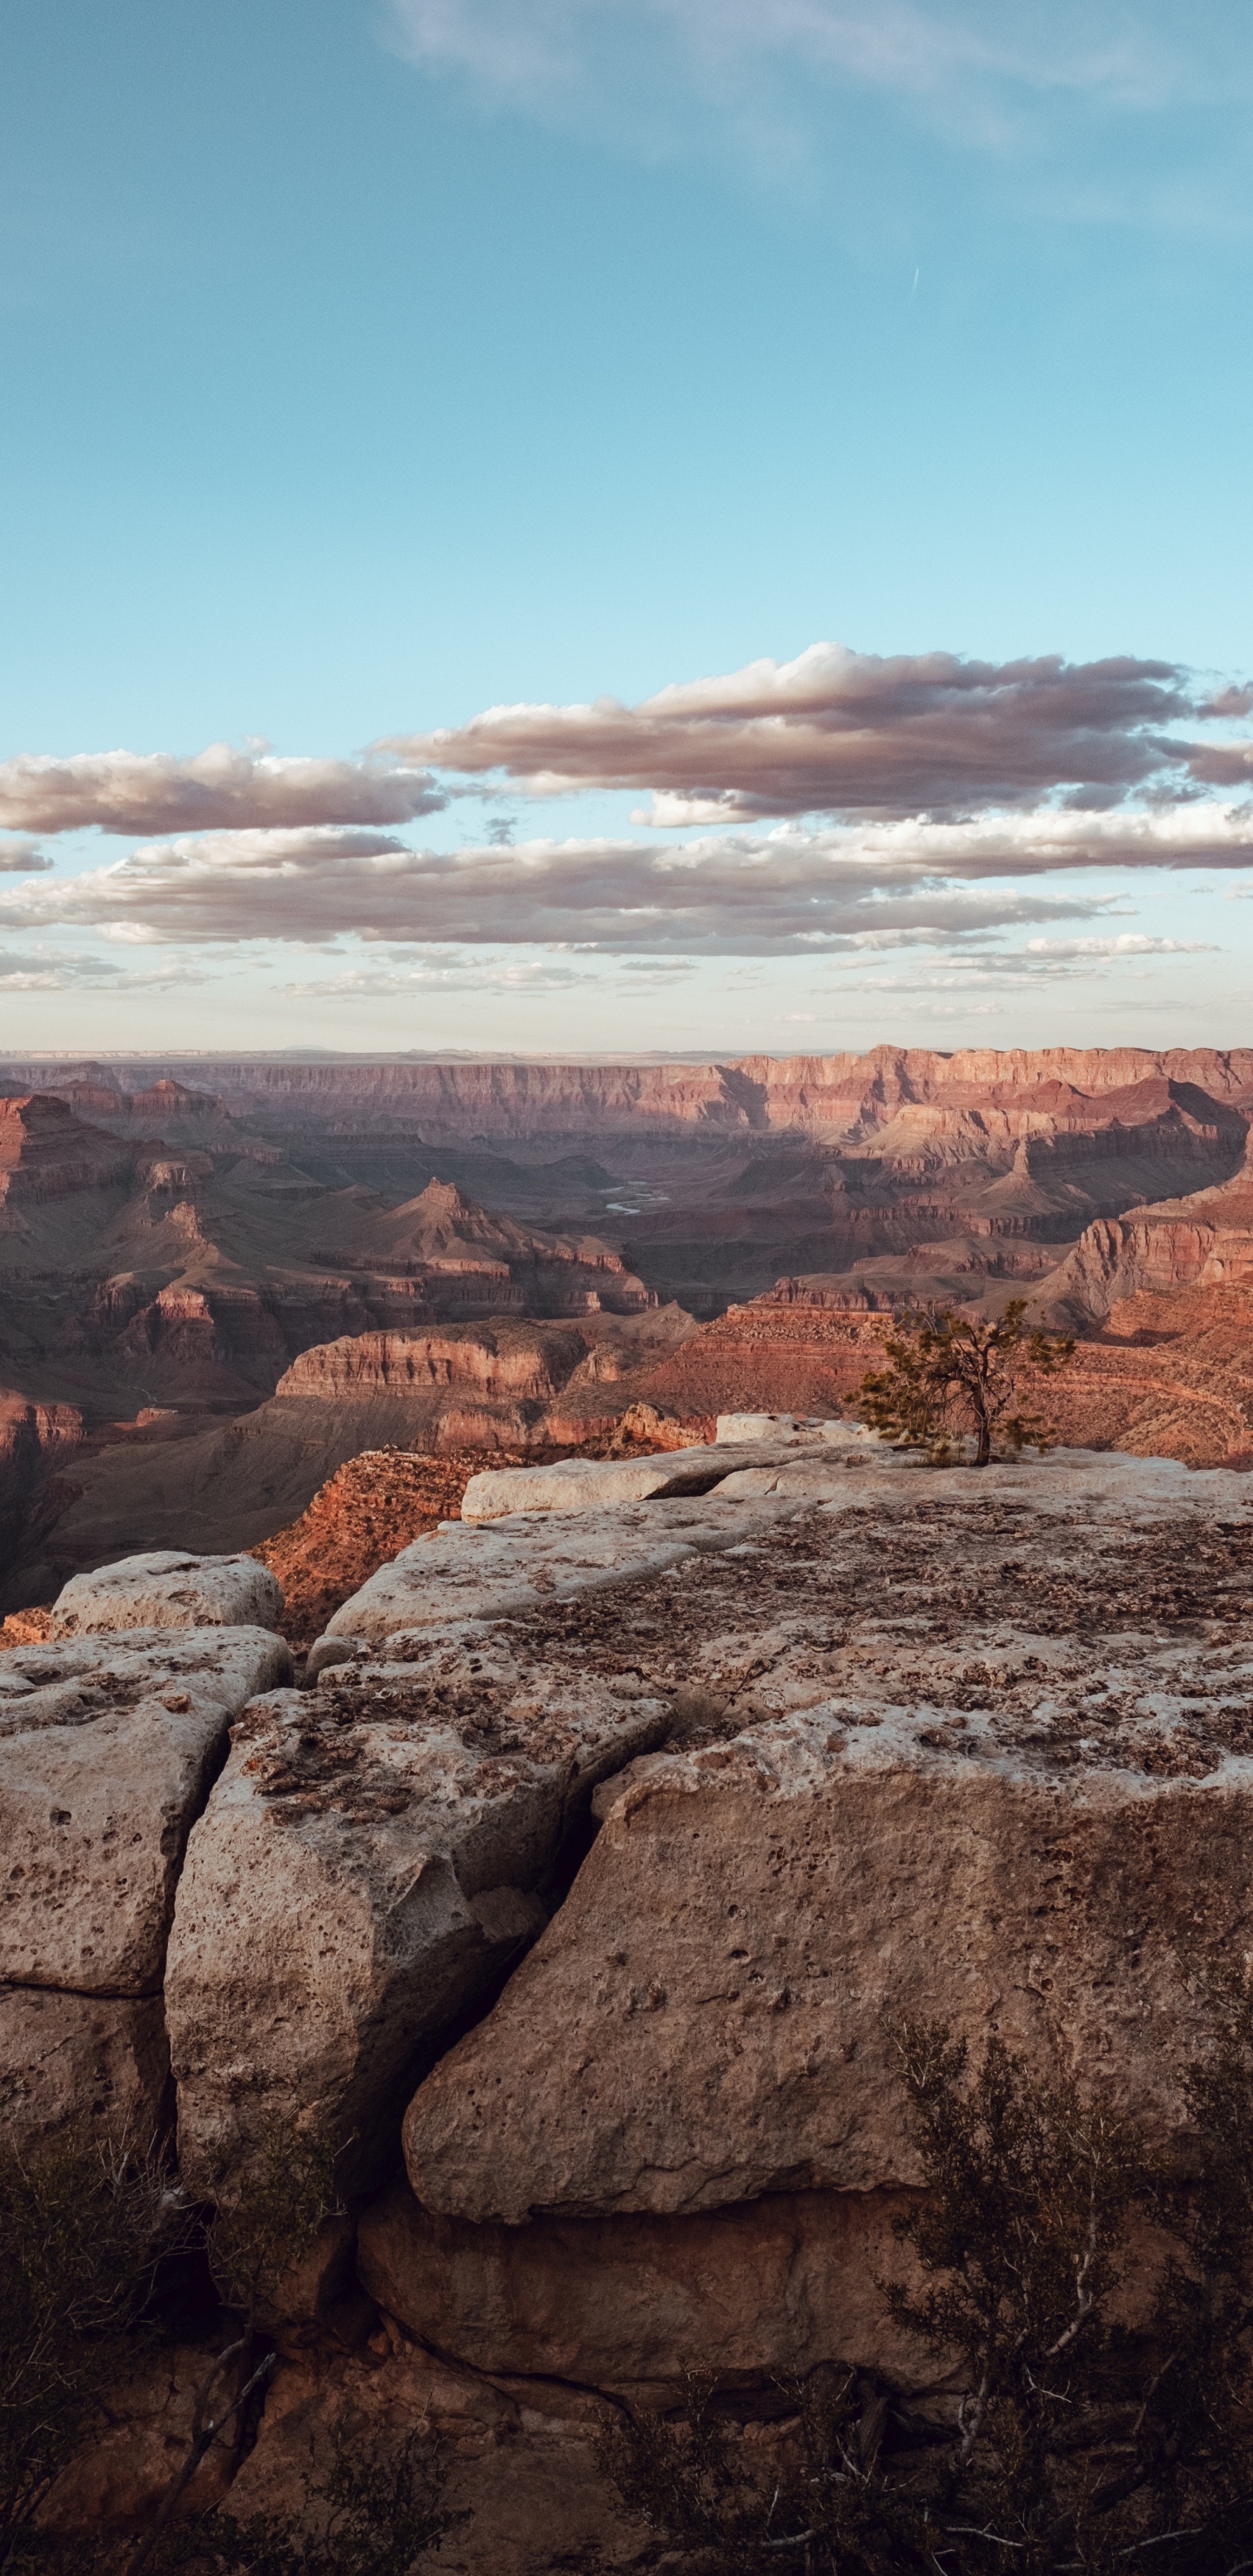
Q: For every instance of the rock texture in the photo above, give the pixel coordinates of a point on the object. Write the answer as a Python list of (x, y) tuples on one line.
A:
[(514, 1566), (369, 1857), (68, 2059), (107, 1752), (960, 1741), (603, 1861), (166, 1590)]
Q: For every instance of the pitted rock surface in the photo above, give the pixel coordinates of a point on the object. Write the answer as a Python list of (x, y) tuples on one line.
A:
[(166, 1589), (521, 1564), (958, 1759), (82, 2060), (107, 1749), (598, 1485), (370, 1857)]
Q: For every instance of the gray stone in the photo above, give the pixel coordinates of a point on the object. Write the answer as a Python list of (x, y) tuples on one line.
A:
[(366, 1863), (166, 1589), (522, 1564), (107, 1750)]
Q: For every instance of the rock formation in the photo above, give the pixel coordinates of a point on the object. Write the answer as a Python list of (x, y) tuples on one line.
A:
[(108, 1747), (597, 1861)]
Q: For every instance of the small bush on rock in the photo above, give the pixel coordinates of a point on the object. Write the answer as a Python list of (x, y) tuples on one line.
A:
[(950, 1378), (266, 2220)]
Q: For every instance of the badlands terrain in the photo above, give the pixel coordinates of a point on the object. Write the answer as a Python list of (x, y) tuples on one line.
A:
[(573, 1898), (222, 1281)]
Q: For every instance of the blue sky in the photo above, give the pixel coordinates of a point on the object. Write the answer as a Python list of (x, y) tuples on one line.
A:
[(366, 367)]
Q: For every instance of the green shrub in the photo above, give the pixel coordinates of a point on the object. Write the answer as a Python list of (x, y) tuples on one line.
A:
[(950, 1378)]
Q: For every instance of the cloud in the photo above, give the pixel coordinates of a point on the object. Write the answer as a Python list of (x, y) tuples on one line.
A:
[(956, 57), (787, 891), (142, 792), (510, 978), (1037, 961), (787, 83), (46, 972), (836, 731), (21, 856)]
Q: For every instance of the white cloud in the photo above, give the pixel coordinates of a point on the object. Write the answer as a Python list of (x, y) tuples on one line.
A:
[(1037, 961), (955, 55), (859, 734), (779, 82), (785, 891), (139, 792), (20, 856), (46, 971), (788, 891)]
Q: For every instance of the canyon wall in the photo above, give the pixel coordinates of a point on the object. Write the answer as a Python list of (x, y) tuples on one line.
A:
[(828, 1095)]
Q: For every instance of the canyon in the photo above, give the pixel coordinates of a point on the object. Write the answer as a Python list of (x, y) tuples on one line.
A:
[(222, 1280), (554, 1743)]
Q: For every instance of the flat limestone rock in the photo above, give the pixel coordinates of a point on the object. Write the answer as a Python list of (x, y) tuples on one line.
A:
[(167, 1590), (107, 1750), (520, 1565), (598, 1485), (67, 2060), (368, 1859), (973, 1766)]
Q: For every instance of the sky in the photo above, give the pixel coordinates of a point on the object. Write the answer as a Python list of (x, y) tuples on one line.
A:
[(594, 527)]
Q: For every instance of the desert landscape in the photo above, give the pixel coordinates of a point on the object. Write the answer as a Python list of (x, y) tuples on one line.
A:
[(213, 1298), (565, 1754), (626, 1289)]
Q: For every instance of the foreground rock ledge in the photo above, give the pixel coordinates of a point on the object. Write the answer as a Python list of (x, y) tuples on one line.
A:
[(369, 1860), (979, 1750)]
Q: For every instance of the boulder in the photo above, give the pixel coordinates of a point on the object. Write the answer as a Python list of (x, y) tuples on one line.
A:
[(369, 1861), (107, 1749), (69, 2060), (167, 1590), (973, 1767)]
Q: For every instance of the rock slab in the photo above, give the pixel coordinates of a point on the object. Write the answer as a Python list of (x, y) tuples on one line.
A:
[(164, 1589)]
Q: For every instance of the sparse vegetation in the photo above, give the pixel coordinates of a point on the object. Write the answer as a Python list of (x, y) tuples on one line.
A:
[(83, 2230), (1076, 2445), (951, 1378), (266, 2221), (382, 2512), (83, 2233)]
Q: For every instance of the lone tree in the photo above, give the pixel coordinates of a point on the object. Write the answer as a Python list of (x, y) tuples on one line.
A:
[(949, 1377)]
